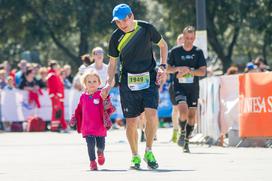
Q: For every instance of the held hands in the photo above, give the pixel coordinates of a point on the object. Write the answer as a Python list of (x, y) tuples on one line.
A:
[(161, 76), (105, 91)]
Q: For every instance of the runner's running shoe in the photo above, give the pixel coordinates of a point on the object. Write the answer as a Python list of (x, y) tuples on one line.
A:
[(136, 162), (181, 138), (149, 158), (175, 136), (186, 146)]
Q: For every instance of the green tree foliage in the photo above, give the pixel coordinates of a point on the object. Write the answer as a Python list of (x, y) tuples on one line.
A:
[(66, 29), (225, 22), (61, 30)]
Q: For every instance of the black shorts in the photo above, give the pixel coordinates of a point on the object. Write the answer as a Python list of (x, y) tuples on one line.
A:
[(134, 102), (172, 94), (189, 94)]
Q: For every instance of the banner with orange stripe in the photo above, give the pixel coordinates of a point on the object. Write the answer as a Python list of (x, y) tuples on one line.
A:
[(255, 98)]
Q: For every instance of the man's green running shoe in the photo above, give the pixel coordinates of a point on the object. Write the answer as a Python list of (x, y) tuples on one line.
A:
[(136, 162), (149, 158)]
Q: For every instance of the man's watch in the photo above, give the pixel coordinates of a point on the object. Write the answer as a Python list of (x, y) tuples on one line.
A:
[(163, 66)]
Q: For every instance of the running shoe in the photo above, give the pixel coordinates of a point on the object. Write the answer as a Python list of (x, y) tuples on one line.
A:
[(174, 136), (181, 138), (136, 162), (101, 158), (186, 146), (93, 165), (149, 158)]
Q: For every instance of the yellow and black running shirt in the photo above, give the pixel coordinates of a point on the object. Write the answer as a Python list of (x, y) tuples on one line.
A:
[(134, 48)]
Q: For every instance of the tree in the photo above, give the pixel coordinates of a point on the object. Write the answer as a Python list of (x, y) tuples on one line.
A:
[(67, 25), (225, 21)]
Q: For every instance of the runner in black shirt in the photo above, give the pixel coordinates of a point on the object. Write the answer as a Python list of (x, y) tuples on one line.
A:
[(187, 62), (132, 43)]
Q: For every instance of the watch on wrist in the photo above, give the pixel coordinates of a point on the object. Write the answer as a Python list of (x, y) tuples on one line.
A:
[(163, 66)]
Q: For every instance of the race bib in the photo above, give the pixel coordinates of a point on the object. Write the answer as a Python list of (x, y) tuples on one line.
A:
[(138, 81), (186, 79)]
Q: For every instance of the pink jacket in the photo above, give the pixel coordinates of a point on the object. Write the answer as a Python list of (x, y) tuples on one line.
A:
[(89, 115)]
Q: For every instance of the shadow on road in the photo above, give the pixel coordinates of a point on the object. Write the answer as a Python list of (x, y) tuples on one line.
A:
[(142, 170), (207, 153)]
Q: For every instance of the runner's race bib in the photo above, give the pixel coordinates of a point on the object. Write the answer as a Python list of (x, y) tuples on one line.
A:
[(186, 79), (138, 81)]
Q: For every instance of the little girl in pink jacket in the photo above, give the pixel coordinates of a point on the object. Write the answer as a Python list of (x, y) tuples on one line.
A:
[(92, 119)]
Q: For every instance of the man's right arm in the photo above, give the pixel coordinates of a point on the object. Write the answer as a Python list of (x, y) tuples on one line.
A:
[(110, 78), (111, 70)]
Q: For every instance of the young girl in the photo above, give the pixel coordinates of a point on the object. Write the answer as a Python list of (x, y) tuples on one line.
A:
[(89, 118)]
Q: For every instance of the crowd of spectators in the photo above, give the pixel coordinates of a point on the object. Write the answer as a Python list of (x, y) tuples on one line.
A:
[(32, 77)]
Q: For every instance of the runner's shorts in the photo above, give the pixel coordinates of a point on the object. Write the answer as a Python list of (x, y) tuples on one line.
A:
[(189, 94), (134, 102)]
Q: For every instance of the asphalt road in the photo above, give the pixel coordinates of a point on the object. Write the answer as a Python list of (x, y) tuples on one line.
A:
[(54, 156)]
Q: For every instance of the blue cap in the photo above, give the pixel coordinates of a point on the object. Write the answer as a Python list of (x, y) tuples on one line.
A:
[(251, 66), (120, 12)]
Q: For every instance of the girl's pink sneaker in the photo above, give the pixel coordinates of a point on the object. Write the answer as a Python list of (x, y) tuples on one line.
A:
[(101, 158), (93, 165)]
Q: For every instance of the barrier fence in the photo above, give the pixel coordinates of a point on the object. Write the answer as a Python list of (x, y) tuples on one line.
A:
[(238, 102), (15, 106)]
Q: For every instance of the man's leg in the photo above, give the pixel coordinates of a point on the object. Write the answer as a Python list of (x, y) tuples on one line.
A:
[(175, 122), (141, 125), (151, 129), (183, 116), (151, 125), (189, 128), (191, 120), (132, 134)]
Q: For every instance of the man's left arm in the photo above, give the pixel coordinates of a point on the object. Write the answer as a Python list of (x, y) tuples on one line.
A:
[(201, 71), (163, 51), (202, 65), (161, 76)]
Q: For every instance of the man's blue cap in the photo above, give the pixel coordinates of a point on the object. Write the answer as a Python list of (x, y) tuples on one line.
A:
[(120, 12)]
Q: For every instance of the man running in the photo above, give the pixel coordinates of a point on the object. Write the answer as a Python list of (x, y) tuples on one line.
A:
[(175, 111), (187, 62), (139, 80)]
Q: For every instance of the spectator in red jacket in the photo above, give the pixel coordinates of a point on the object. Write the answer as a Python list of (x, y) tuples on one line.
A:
[(55, 89)]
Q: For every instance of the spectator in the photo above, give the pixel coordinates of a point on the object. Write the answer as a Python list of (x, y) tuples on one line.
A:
[(86, 59), (10, 83), (100, 67), (19, 75), (6, 67), (67, 69), (66, 82), (2, 79), (42, 76), (250, 67), (30, 84), (86, 62), (232, 70), (261, 64), (28, 81), (56, 93)]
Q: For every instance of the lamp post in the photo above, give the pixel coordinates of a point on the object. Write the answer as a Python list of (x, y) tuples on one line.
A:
[(201, 27)]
